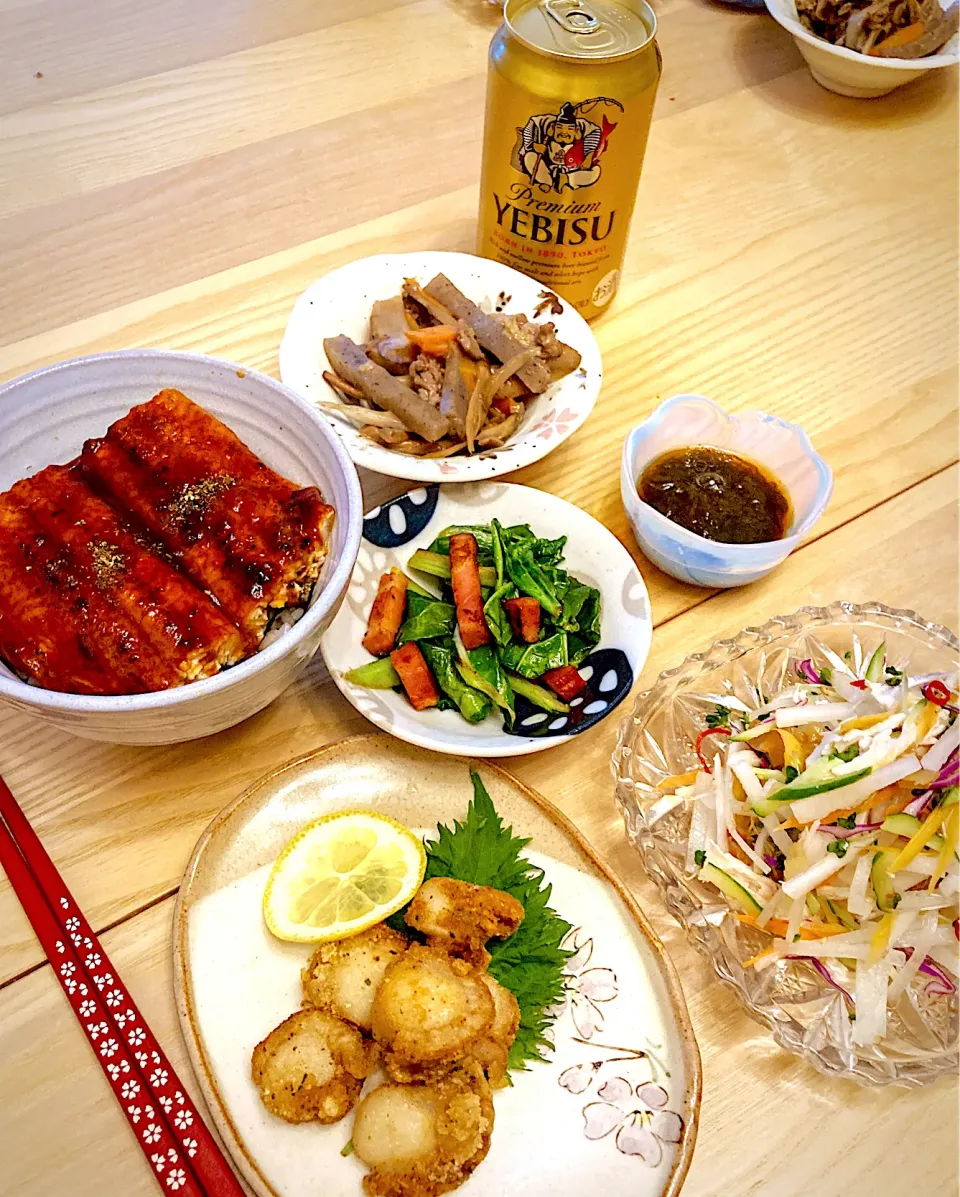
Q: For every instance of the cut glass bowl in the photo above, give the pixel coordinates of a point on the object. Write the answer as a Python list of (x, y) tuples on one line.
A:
[(805, 1015)]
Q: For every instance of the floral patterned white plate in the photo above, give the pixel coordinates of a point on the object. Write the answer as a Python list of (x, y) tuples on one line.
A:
[(393, 532), (615, 1108), (340, 303)]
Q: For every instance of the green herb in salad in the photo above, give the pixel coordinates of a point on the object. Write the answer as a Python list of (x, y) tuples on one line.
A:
[(718, 717), (838, 847)]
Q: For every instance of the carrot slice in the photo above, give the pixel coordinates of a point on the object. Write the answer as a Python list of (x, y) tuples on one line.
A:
[(812, 930), (415, 676), (902, 37), (434, 341), (465, 580), (386, 614)]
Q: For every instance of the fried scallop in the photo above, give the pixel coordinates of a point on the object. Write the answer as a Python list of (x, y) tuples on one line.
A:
[(429, 1011), (343, 977), (311, 1067), (493, 1050), (424, 1140), (460, 917)]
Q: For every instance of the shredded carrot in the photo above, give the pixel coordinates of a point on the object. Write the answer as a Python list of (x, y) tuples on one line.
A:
[(677, 780), (759, 956), (902, 37), (435, 341), (811, 930)]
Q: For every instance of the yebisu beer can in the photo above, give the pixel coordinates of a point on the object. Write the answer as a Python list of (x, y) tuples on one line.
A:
[(570, 94)]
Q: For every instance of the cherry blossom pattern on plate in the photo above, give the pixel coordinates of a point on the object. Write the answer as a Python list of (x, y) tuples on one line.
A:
[(555, 423), (636, 1117), (586, 989)]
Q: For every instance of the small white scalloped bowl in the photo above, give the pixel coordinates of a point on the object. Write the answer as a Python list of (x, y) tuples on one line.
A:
[(850, 73), (780, 447)]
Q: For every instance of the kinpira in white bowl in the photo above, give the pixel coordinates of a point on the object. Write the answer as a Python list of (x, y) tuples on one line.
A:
[(850, 73), (784, 449), (46, 416)]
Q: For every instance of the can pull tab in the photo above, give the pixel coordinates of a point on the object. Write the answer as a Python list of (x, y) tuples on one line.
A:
[(574, 18)]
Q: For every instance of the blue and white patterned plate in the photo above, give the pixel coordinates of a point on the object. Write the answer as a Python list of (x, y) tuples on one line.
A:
[(393, 532)]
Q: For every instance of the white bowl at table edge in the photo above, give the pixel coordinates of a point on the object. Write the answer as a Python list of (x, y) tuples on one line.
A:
[(848, 72)]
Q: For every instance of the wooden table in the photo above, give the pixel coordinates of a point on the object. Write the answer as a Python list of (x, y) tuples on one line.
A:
[(175, 173)]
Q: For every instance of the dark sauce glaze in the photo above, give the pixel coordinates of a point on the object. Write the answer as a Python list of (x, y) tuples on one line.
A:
[(717, 495)]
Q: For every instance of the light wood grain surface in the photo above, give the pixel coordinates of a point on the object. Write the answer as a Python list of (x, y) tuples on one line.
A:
[(174, 174)]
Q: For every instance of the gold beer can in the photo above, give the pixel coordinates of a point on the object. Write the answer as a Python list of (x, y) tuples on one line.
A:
[(570, 93)]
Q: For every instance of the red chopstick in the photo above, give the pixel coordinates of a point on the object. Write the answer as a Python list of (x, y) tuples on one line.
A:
[(170, 1132)]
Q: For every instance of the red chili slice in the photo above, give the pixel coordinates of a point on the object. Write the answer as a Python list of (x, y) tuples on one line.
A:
[(859, 684), (936, 692), (709, 731)]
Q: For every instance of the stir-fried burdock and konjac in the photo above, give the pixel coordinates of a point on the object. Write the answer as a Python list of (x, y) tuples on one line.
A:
[(439, 376), (882, 28)]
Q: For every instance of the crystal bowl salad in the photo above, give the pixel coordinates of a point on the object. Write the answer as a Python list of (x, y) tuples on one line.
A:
[(794, 794)]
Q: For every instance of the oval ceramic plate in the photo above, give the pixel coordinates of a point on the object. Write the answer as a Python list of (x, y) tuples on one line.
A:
[(615, 1108), (340, 303), (393, 532)]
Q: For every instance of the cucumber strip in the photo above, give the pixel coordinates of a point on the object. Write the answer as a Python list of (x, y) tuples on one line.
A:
[(807, 785), (876, 663), (754, 733), (730, 888), (908, 826)]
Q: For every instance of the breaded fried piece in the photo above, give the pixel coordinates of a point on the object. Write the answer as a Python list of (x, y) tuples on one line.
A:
[(493, 1050), (311, 1067), (460, 917), (424, 1140), (430, 1010), (343, 977)]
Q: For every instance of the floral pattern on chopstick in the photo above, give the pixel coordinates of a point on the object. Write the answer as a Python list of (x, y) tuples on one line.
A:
[(95, 1009)]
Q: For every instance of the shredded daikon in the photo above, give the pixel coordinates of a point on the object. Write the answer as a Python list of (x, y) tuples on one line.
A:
[(936, 757), (870, 995), (815, 712), (921, 945)]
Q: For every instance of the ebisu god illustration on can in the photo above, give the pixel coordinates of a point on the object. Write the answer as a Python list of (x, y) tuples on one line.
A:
[(570, 95)]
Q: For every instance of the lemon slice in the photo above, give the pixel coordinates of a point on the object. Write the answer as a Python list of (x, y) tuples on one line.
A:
[(340, 875)]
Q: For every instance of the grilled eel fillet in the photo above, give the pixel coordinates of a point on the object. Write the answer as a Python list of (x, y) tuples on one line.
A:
[(235, 527), (144, 620)]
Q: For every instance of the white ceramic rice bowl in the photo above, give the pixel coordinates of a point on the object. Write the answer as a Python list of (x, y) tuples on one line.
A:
[(46, 416)]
